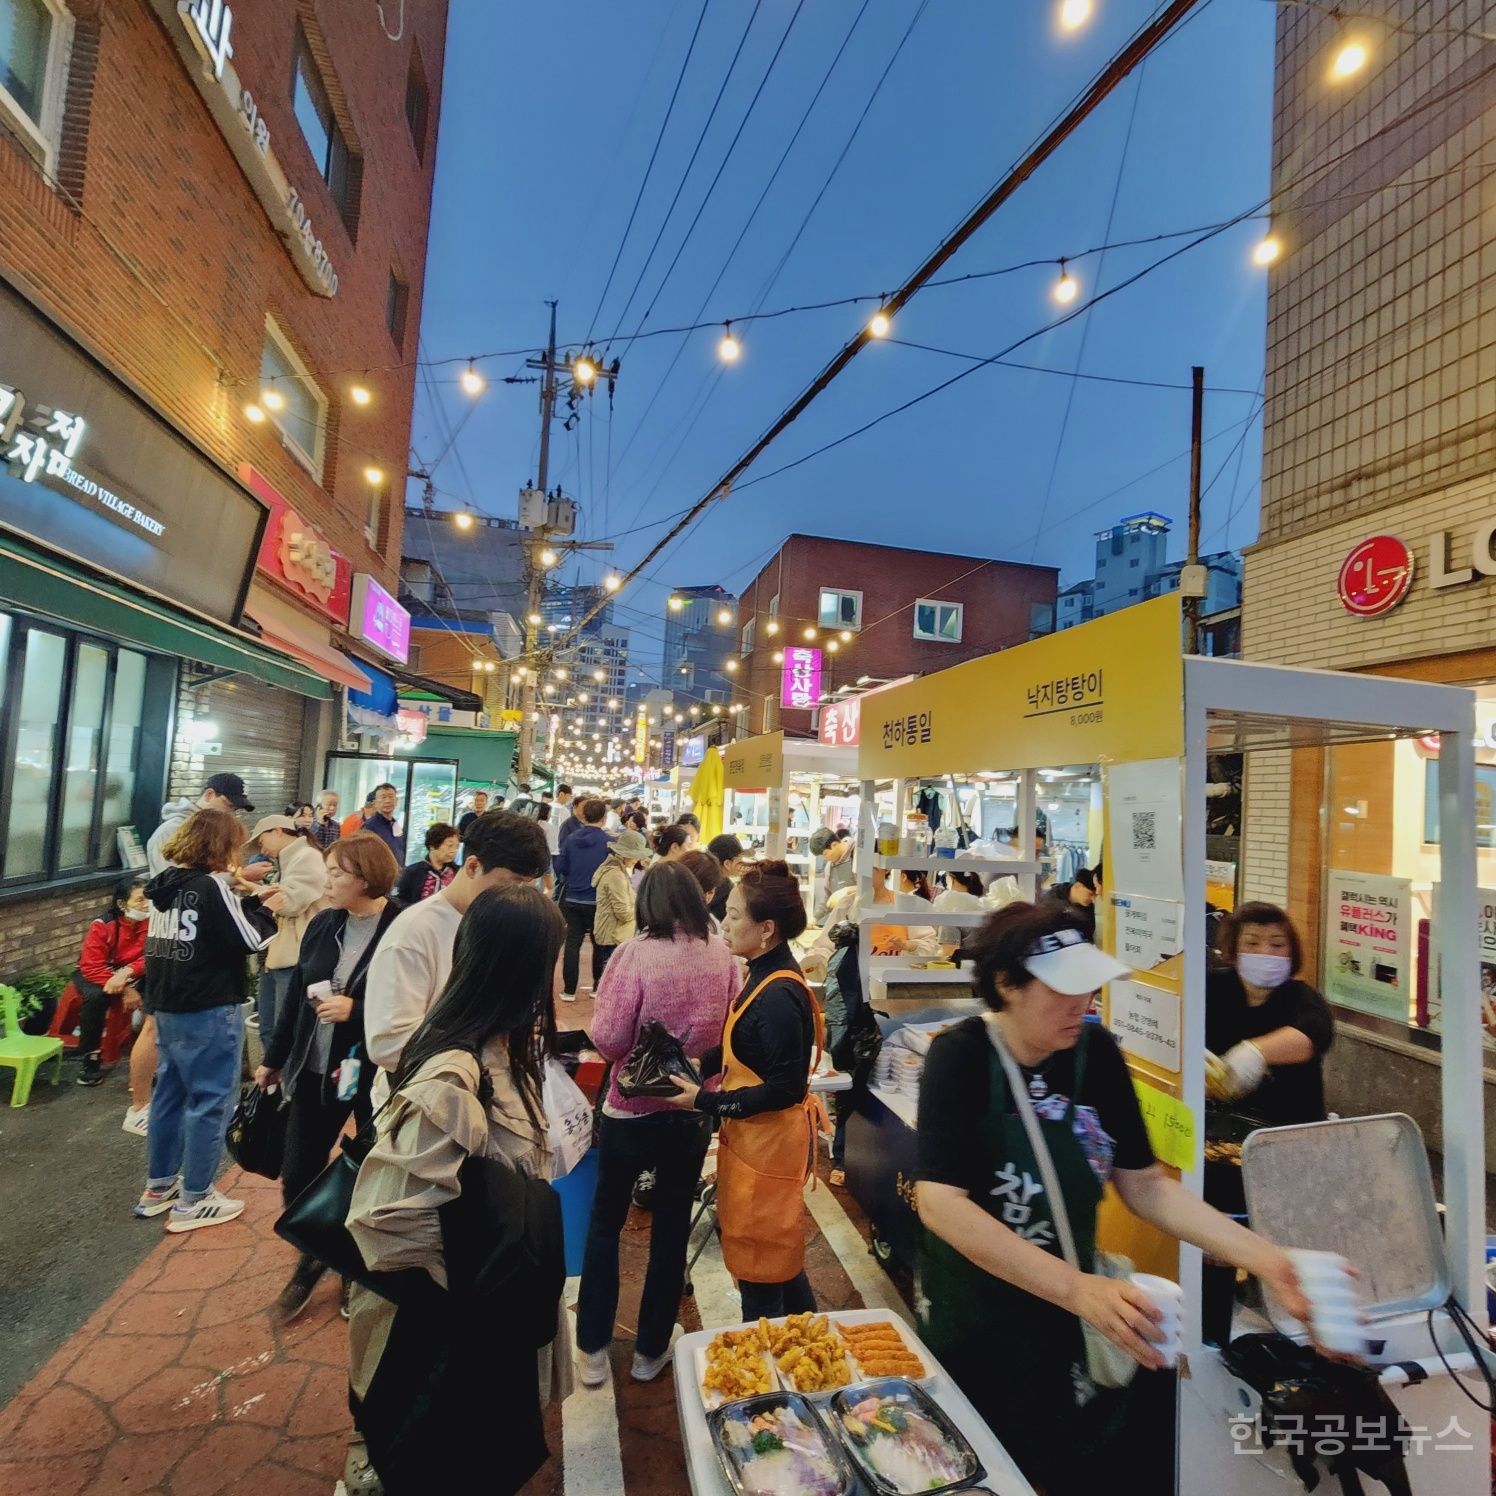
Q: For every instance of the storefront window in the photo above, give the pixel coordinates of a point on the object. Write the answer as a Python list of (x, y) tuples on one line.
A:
[(426, 791), (123, 748), (35, 754), (81, 769)]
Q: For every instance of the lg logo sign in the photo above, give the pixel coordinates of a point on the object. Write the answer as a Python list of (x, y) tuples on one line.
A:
[(1378, 573)]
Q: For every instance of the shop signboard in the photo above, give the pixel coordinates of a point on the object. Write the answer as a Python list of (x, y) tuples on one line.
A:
[(641, 737), (1369, 938), (203, 32), (1146, 932), (1144, 1020), (693, 751), (413, 725), (91, 471), (296, 554), (667, 748), (754, 763), (378, 619), (1110, 690), (1376, 576), (841, 723), (800, 679)]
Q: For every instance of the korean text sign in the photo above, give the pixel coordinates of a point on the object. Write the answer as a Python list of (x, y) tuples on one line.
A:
[(800, 682)]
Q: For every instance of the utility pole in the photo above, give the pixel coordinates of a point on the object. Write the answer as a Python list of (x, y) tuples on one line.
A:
[(1192, 579)]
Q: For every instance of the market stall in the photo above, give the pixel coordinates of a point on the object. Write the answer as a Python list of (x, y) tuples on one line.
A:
[(1118, 695)]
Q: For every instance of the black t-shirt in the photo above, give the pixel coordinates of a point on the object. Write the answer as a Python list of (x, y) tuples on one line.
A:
[(775, 1039), (1291, 1093), (955, 1093)]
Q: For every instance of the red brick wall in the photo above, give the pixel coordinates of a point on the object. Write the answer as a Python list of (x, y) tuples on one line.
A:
[(156, 252), (997, 596), (46, 933)]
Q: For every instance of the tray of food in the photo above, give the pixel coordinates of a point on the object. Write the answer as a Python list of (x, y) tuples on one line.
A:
[(900, 1441), (777, 1446), (734, 1365), (881, 1348), (809, 1355)]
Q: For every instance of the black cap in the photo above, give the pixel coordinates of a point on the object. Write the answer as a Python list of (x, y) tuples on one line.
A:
[(231, 787)]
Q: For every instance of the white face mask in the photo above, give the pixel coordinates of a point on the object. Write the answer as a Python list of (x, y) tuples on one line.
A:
[(1258, 969), (137, 914)]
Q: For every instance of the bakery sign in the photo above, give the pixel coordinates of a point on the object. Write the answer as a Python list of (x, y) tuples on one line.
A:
[(1379, 572), (203, 31), (297, 555)]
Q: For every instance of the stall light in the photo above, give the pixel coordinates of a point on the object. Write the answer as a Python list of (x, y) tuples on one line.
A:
[(477, 664), (272, 399), (535, 618), (772, 628), (254, 415), (599, 675), (359, 394), (731, 667), (520, 673), (612, 582), (489, 666), (472, 382)]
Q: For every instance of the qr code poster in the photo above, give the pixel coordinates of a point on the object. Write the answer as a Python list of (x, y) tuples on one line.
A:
[(1143, 842)]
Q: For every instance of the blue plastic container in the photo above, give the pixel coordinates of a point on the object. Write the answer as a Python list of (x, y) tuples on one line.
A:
[(576, 1192)]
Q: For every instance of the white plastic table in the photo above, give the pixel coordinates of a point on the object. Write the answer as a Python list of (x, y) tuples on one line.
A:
[(705, 1472)]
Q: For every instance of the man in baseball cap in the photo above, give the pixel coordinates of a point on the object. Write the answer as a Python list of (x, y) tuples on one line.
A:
[(222, 792)]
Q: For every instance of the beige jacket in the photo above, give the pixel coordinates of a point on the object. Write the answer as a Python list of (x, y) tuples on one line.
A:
[(302, 880), (424, 1136), (614, 921)]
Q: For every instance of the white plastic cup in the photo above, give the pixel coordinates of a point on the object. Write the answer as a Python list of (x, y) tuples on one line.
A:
[(319, 992), (1168, 1298)]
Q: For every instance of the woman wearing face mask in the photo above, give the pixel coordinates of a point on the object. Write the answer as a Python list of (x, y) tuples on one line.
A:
[(1266, 1031), (111, 966)]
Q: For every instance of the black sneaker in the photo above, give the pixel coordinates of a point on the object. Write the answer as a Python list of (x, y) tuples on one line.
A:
[(644, 1188), (92, 1073), (293, 1297)]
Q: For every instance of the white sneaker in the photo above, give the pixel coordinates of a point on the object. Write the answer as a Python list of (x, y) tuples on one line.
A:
[(212, 1210), (153, 1202), (137, 1120), (593, 1367), (568, 997), (647, 1370)]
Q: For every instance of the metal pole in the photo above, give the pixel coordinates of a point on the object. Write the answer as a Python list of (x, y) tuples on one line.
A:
[(535, 572), (1197, 423)]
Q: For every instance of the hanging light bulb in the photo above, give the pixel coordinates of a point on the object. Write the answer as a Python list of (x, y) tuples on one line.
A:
[(731, 667), (880, 324), (1067, 288), (778, 657), (724, 617), (772, 629), (1351, 57), (1074, 13), (272, 399), (584, 371), (612, 582), (548, 557), (810, 632), (359, 394), (728, 349), (373, 476), (846, 636), (254, 415), (676, 604), (1267, 250), (463, 519), (832, 645), (472, 382)]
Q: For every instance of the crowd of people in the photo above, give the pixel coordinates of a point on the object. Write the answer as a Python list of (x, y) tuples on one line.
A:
[(380, 1017)]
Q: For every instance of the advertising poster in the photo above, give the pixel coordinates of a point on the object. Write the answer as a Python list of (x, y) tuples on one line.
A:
[(1144, 1020), (1369, 938), (1146, 932), (1220, 885), (1143, 842)]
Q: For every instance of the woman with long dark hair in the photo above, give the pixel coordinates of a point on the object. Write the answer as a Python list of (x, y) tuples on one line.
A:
[(427, 1377), (677, 973), (773, 1032)]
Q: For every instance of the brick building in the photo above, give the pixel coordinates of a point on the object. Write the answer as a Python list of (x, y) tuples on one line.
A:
[(213, 226), (1379, 485), (877, 611)]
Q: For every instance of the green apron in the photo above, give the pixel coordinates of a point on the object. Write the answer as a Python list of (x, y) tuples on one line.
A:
[(963, 1307)]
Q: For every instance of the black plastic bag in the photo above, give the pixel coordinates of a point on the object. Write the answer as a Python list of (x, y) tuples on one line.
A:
[(256, 1138), (653, 1061)]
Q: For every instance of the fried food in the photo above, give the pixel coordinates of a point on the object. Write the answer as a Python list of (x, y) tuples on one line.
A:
[(737, 1365), (810, 1355), (881, 1349), (1223, 1153)]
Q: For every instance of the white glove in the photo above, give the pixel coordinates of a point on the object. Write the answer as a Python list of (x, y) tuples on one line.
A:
[(1244, 1070)]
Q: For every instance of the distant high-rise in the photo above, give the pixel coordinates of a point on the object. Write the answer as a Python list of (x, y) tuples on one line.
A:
[(700, 637)]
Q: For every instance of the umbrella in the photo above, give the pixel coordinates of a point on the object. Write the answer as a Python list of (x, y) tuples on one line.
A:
[(707, 794)]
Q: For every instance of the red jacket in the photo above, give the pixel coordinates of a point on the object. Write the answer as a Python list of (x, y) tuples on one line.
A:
[(110, 944)]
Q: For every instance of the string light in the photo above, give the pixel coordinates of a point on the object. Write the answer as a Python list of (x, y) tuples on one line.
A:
[(1349, 60), (373, 476), (535, 618), (676, 604), (272, 399), (1074, 13), (463, 519), (584, 371), (832, 645), (1067, 288), (359, 394), (729, 349), (880, 324), (254, 415), (1267, 250), (846, 636), (810, 632), (731, 667), (778, 657), (548, 557), (724, 617), (612, 582), (772, 629)]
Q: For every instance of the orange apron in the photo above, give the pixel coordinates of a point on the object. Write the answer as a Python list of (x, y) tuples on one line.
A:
[(762, 1166)]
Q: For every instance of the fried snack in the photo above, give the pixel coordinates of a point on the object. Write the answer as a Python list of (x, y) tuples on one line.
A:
[(881, 1350), (737, 1365), (810, 1355), (1223, 1153)]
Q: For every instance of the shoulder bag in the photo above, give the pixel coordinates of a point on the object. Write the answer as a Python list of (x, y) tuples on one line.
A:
[(1108, 1365)]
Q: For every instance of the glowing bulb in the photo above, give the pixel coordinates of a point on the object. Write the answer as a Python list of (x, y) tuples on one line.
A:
[(359, 394), (832, 645), (731, 667), (472, 382), (489, 666), (779, 657), (810, 633), (272, 399), (676, 604), (548, 557), (880, 324), (1067, 288), (1267, 250), (599, 675), (463, 520), (729, 349), (724, 617), (772, 629), (846, 636), (1074, 13), (477, 664), (584, 371), (254, 415), (612, 582), (535, 618), (373, 476), (1349, 60)]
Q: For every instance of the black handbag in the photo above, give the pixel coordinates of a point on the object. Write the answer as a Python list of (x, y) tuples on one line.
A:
[(316, 1221), (256, 1138), (656, 1057)]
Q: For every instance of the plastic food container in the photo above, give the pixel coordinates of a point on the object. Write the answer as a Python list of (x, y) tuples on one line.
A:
[(776, 1443), (901, 1441)]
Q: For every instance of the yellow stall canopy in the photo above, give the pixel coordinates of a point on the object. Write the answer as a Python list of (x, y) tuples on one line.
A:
[(1108, 691)]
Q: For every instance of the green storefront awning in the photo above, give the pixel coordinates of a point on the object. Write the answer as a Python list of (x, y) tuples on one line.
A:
[(42, 584)]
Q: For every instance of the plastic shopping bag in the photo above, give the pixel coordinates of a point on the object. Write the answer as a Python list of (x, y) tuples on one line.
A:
[(653, 1061), (569, 1115), (257, 1131)]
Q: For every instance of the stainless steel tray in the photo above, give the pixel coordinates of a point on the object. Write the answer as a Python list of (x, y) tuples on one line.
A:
[(921, 1401), (1359, 1186), (744, 1410)]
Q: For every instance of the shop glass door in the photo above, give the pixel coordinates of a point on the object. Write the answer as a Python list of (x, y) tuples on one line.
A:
[(426, 791)]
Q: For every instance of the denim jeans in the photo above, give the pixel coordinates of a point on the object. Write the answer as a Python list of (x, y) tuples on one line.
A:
[(197, 1082), (674, 1145), (273, 988)]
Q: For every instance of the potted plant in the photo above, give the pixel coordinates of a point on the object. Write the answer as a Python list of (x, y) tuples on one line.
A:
[(39, 993)]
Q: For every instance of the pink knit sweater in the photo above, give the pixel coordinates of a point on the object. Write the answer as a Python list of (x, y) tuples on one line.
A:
[(684, 984)]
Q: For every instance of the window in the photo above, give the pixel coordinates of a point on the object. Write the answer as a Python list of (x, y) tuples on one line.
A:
[(840, 610), (302, 416), (774, 606), (396, 301), (1135, 560), (71, 734), (749, 629), (417, 103), (33, 73), (320, 129), (938, 621), (374, 520), (1041, 619)]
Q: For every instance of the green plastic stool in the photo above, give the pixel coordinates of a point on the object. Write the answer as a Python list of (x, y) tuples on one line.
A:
[(24, 1053)]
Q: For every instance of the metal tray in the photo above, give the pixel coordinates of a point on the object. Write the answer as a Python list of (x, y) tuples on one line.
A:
[(744, 1410), (1359, 1186), (927, 1407)]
